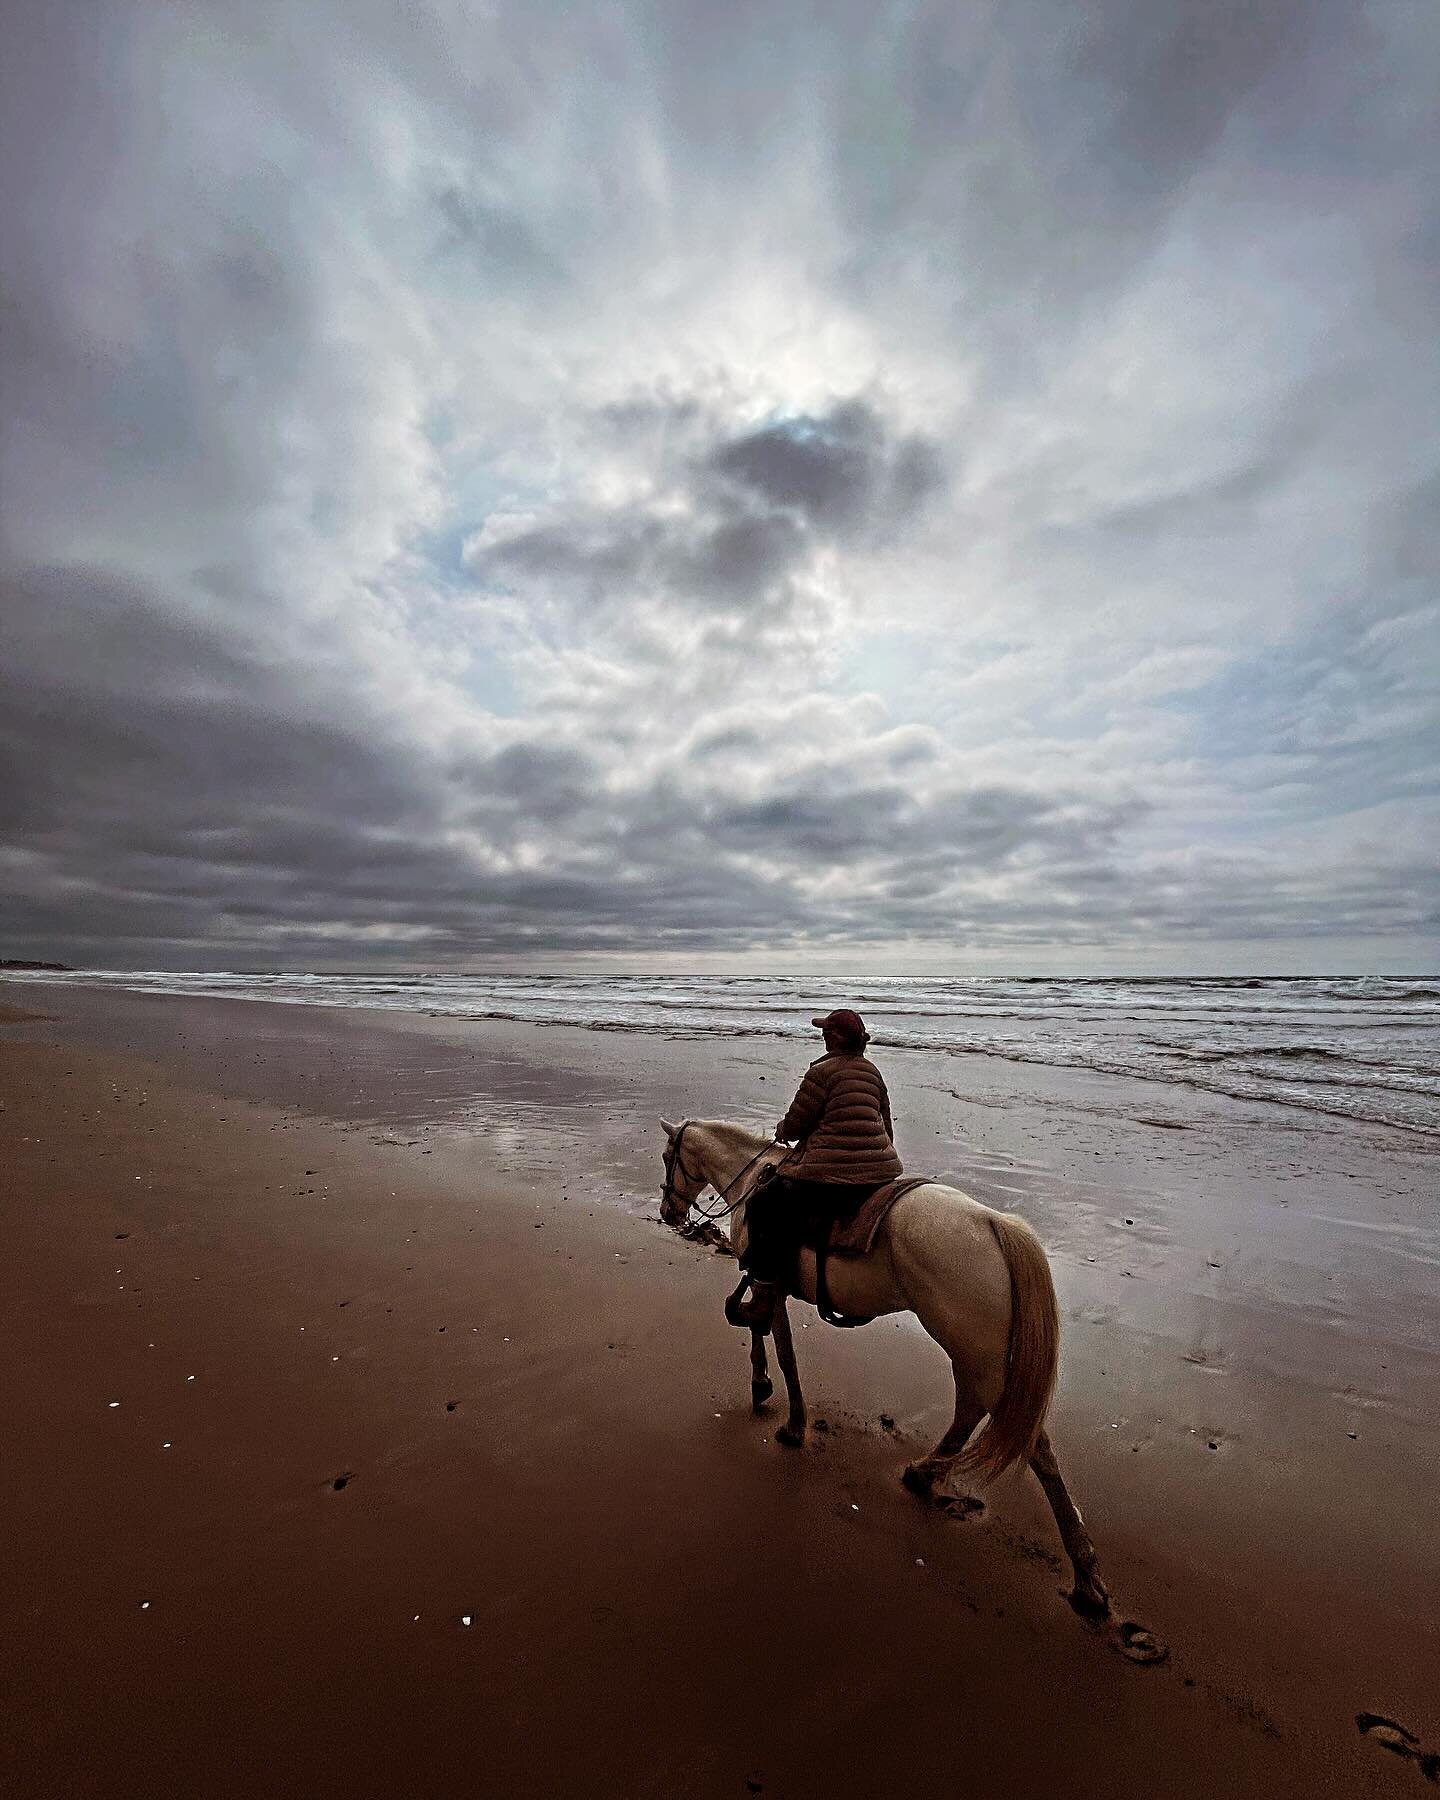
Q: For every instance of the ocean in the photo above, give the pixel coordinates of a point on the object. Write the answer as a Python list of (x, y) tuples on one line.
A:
[(1359, 1047)]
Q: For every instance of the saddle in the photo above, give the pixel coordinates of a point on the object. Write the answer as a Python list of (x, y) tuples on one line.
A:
[(856, 1236), (852, 1236)]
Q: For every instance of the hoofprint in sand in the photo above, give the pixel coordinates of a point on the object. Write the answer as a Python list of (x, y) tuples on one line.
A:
[(533, 1407)]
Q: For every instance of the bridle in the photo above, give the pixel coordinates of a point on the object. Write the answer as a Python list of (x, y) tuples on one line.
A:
[(674, 1159)]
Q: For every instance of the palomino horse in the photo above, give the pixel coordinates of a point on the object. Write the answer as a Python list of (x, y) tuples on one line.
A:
[(976, 1279)]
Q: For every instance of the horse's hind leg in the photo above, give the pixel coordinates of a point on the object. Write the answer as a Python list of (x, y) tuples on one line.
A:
[(792, 1432), (1089, 1595), (927, 1473), (761, 1386)]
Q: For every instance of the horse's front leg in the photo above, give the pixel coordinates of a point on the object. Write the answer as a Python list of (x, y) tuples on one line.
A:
[(761, 1386), (792, 1432)]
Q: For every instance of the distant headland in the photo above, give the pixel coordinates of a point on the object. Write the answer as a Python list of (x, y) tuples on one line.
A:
[(15, 962)]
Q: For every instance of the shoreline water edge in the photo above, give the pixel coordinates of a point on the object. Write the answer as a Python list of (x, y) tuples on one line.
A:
[(1248, 1291)]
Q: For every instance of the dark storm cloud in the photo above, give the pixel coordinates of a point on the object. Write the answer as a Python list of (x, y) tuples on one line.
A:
[(830, 823), (839, 472), (151, 712), (730, 557), (735, 520), (156, 760)]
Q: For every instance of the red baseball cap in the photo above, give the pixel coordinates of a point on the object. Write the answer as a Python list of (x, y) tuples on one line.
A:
[(845, 1024)]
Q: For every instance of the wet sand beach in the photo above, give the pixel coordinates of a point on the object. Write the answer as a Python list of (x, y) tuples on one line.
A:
[(367, 1435)]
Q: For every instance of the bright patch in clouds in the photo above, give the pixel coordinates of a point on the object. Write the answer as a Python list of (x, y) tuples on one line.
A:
[(494, 485)]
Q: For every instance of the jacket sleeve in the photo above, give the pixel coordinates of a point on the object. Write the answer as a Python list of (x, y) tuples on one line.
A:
[(805, 1109), (885, 1110)]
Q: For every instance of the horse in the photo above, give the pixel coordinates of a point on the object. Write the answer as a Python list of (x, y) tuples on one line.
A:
[(979, 1282)]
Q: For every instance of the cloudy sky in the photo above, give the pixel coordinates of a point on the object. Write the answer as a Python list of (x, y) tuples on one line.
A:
[(878, 486)]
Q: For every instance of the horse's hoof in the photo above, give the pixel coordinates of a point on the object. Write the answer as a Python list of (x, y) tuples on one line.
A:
[(790, 1437), (1138, 1645), (1089, 1602), (918, 1482), (760, 1392)]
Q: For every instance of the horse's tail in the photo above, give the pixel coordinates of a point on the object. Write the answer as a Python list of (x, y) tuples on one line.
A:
[(1031, 1358)]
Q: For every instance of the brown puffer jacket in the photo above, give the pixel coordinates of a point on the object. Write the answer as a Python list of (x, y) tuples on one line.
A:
[(842, 1112)]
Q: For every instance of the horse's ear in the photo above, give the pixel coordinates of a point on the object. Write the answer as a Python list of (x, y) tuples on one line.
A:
[(670, 1129)]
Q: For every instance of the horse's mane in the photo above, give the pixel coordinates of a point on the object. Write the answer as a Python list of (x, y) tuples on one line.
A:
[(742, 1135)]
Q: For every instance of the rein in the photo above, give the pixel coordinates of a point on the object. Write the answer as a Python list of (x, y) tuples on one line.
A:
[(674, 1160)]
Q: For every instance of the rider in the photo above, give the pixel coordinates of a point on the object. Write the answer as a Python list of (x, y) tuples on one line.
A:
[(841, 1116)]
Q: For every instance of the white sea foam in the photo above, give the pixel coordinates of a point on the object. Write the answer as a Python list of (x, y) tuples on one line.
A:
[(1362, 1047)]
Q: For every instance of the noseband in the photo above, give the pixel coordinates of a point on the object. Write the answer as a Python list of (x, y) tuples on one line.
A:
[(673, 1161)]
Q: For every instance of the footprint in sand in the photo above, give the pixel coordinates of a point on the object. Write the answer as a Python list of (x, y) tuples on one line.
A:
[(1138, 1644), (1391, 1735), (959, 1506)]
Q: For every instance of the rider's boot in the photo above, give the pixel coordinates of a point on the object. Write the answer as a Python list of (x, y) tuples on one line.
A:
[(758, 1309)]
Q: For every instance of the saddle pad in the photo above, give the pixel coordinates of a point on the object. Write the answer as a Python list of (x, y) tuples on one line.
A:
[(855, 1236)]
